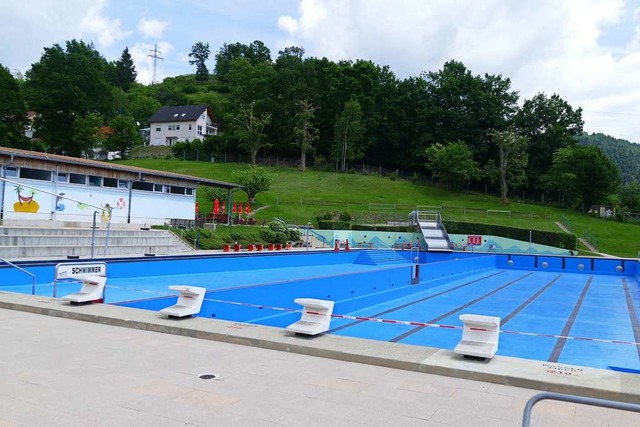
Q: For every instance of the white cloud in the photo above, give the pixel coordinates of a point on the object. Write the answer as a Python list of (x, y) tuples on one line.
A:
[(542, 45), (152, 28), (108, 31)]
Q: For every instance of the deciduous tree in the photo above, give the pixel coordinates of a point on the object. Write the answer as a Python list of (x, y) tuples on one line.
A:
[(305, 131), (13, 114), (348, 142), (452, 164), (200, 53), (254, 180), (512, 161)]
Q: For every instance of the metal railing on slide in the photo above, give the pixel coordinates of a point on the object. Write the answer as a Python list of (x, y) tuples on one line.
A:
[(33, 276), (612, 404)]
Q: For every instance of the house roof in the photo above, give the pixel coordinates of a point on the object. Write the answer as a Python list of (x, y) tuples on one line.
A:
[(97, 164), (180, 113)]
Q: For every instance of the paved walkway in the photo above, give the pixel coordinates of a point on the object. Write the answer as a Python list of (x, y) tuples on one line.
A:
[(61, 372)]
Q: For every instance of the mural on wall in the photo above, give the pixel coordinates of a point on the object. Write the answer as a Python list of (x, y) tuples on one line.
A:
[(59, 204), (26, 204)]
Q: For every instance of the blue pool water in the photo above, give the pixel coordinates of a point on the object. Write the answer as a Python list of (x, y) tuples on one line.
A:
[(540, 299)]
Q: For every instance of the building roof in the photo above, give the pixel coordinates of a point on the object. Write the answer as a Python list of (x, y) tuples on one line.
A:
[(180, 113), (97, 164)]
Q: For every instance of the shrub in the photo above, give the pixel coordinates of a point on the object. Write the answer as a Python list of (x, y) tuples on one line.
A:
[(277, 226)]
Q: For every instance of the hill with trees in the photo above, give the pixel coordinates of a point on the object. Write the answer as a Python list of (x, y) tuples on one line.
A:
[(625, 154), (451, 127)]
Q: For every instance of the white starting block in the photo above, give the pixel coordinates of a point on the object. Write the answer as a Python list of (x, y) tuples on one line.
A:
[(189, 301), (92, 290), (316, 316), (480, 336)]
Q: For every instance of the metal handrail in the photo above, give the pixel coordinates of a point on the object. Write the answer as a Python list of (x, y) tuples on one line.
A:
[(526, 416), (33, 276)]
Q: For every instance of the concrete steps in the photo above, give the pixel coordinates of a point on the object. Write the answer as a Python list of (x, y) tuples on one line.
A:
[(45, 242), (379, 257)]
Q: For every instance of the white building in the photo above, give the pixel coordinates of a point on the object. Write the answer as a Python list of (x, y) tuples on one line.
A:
[(181, 123), (49, 187)]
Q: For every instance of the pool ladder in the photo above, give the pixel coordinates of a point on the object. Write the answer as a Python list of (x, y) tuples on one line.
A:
[(33, 276)]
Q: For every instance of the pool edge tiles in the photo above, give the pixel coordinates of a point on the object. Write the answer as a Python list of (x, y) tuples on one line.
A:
[(562, 378)]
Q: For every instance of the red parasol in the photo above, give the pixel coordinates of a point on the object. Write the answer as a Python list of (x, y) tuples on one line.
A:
[(240, 208), (247, 209), (197, 207), (216, 207), (234, 207)]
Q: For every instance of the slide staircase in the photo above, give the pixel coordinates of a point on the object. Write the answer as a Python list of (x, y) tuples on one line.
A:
[(433, 231)]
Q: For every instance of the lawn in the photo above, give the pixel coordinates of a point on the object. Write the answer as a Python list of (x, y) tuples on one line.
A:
[(297, 197)]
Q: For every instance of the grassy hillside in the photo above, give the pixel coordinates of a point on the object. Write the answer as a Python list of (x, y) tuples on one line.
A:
[(298, 196)]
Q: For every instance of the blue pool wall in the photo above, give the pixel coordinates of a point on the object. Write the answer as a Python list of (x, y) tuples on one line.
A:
[(440, 265)]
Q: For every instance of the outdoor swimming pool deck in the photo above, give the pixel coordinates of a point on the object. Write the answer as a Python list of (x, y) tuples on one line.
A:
[(501, 370)]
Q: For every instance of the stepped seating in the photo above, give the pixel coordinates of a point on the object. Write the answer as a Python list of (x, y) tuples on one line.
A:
[(40, 242), (379, 257)]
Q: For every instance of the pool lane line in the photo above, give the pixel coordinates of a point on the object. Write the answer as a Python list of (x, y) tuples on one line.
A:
[(531, 299), (457, 309), (557, 349), (404, 322), (382, 313), (635, 324)]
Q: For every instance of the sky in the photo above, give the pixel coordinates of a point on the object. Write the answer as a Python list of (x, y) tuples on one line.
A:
[(586, 51)]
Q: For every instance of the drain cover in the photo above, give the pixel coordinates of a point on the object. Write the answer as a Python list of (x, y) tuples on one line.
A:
[(206, 376)]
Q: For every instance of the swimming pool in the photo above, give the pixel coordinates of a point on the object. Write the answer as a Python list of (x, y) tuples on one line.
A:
[(574, 310)]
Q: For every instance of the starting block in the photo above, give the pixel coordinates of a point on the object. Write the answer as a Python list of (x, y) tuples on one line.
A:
[(480, 335), (189, 301), (316, 316), (92, 290)]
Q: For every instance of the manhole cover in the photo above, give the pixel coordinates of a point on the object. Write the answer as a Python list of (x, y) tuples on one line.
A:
[(206, 376)]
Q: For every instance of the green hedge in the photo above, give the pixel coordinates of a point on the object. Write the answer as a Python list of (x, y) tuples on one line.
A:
[(549, 238), (392, 228)]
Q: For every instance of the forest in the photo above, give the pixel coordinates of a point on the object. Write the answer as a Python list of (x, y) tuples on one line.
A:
[(450, 127)]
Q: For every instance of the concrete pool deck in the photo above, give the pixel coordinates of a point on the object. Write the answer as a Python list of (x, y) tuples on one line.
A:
[(107, 365)]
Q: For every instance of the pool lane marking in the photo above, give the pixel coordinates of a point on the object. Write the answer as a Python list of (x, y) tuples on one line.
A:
[(635, 324), (361, 319), (557, 349), (459, 308), (382, 313), (531, 299)]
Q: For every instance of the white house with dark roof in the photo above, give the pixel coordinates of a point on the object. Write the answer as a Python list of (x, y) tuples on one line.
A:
[(181, 123)]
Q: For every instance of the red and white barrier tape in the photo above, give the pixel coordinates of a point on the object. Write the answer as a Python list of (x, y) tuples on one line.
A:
[(400, 322)]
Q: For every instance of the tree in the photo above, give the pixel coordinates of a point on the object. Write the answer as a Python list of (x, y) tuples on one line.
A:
[(13, 114), (86, 134), (249, 127), (582, 176), (200, 52), (452, 164), (630, 196), (548, 123), (65, 84), (124, 135), (306, 133), (513, 160), (254, 180), (125, 73), (255, 53), (348, 134)]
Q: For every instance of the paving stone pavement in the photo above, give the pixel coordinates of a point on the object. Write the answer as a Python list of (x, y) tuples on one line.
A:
[(62, 372)]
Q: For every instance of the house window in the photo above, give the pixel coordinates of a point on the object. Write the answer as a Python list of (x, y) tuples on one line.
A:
[(11, 172), (95, 181), (158, 129), (200, 130), (145, 186), (189, 126), (171, 140), (189, 191), (123, 184), (110, 182), (76, 178), (177, 190), (174, 127), (63, 177), (39, 174)]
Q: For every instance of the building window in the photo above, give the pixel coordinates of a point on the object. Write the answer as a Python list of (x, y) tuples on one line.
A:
[(95, 181), (173, 127), (39, 174), (11, 172), (63, 177), (158, 129), (123, 184), (200, 130), (189, 191), (189, 126), (171, 140), (76, 178), (144, 186), (110, 182), (158, 188)]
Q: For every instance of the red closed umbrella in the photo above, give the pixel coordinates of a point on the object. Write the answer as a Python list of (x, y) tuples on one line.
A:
[(197, 207), (240, 208), (247, 209), (216, 207), (234, 207)]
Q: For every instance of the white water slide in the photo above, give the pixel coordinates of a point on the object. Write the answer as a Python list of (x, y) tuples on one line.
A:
[(433, 231)]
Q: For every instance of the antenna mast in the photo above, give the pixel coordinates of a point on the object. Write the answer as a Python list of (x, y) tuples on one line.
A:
[(155, 54)]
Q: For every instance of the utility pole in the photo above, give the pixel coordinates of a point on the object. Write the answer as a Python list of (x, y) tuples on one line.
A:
[(155, 54)]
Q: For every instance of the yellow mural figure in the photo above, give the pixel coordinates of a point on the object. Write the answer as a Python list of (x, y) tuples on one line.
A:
[(25, 203)]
